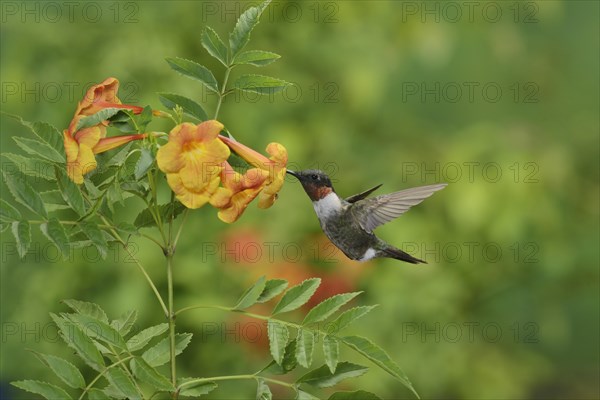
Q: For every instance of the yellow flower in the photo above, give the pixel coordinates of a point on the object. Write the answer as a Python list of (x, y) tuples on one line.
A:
[(81, 145), (238, 191), (193, 160), (275, 166)]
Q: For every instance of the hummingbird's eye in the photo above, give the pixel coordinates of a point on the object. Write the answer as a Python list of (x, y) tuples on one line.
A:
[(314, 177)]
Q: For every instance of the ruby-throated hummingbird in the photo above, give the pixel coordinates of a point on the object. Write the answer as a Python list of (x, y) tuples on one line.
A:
[(349, 223)]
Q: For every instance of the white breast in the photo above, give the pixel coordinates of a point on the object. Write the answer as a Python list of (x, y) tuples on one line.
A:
[(328, 206), (369, 254)]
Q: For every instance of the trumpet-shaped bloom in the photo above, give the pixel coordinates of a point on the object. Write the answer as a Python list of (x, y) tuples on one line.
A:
[(237, 192), (193, 160), (101, 96), (81, 145), (275, 166)]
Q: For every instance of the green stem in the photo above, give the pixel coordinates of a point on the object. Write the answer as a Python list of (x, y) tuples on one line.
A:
[(183, 218), (223, 90), (169, 254), (93, 382), (140, 266), (153, 204), (235, 377), (171, 315)]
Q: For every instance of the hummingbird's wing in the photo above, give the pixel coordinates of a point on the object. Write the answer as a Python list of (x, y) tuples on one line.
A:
[(362, 195), (379, 210)]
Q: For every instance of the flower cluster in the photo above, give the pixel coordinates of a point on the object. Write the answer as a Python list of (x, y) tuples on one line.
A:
[(194, 159), (81, 144), (195, 163)]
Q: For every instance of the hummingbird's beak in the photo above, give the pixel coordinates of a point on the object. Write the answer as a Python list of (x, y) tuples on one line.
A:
[(293, 173)]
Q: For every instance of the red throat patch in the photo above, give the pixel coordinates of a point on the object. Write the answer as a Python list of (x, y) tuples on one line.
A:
[(317, 192)]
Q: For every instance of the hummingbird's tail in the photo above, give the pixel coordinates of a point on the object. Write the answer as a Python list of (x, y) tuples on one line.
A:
[(392, 252)]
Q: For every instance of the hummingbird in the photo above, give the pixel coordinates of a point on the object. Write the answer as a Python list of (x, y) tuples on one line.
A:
[(349, 222)]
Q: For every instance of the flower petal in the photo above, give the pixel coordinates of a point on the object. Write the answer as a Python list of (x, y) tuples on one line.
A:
[(115, 141)]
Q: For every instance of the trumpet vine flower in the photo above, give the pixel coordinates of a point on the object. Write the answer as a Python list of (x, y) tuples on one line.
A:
[(193, 160), (81, 145)]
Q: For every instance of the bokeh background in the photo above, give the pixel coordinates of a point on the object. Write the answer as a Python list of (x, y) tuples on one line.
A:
[(500, 99)]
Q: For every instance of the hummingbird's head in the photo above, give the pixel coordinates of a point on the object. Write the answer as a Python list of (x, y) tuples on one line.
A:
[(316, 183)]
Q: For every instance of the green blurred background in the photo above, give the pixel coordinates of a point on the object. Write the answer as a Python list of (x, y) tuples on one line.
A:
[(500, 99)]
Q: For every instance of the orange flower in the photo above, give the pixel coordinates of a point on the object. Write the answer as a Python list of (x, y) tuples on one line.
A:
[(101, 96), (81, 145), (193, 160), (238, 191), (275, 166)]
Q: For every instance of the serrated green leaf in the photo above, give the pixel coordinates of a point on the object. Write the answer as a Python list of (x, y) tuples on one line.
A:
[(8, 213), (297, 296), (22, 234), (145, 373), (260, 84), (145, 219), (53, 197), (377, 355), (135, 188), (118, 159), (97, 118), (258, 58), (125, 322), (66, 371), (144, 119), (322, 377), (43, 130), (124, 121), (127, 228), (54, 231), (195, 71), (189, 106), (347, 317), (304, 347), (272, 288), (331, 351), (357, 395), (302, 395), (240, 35), (70, 191), (123, 383), (278, 338), (196, 389), (47, 133), (25, 194), (144, 163), (34, 167), (39, 148), (159, 354), (94, 233), (214, 45), (289, 361), (86, 308), (262, 391), (113, 392), (128, 168), (77, 340), (328, 307), (141, 339), (97, 394), (97, 329), (46, 390), (251, 295)]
